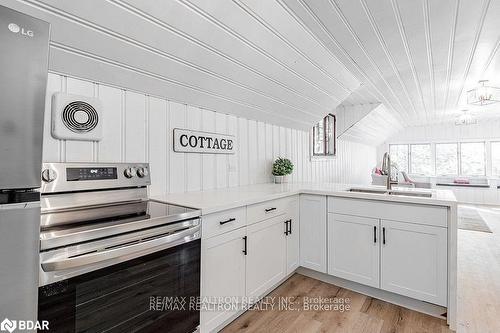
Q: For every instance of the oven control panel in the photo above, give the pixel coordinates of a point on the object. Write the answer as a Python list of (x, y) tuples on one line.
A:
[(79, 174), (61, 177)]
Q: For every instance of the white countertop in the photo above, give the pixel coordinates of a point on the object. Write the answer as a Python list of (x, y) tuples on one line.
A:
[(212, 201)]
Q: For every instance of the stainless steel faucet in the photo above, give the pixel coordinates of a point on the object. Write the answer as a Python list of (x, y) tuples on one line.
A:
[(386, 169)]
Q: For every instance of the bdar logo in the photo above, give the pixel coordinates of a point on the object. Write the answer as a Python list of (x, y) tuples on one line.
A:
[(19, 30), (8, 325)]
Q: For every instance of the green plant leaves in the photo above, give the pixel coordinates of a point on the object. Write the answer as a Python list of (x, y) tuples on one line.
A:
[(282, 167)]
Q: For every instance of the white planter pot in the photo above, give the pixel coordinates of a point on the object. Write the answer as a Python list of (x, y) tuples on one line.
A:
[(280, 179)]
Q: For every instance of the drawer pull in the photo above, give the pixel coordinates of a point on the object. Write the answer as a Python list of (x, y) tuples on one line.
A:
[(383, 235), (227, 221), (270, 209), (288, 227), (374, 234), (245, 252)]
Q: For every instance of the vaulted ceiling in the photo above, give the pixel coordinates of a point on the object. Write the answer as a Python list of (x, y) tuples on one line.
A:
[(417, 57), (288, 62)]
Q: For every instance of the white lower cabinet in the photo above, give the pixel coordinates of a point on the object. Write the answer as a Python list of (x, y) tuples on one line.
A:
[(375, 249), (414, 261), (222, 274), (353, 247), (399, 256), (266, 255), (248, 261), (313, 232)]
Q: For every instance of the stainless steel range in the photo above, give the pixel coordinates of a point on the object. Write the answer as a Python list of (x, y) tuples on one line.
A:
[(107, 251)]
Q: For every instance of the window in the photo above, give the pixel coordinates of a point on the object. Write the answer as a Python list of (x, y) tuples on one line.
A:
[(472, 159), (495, 158), (420, 159), (324, 137), (446, 159), (399, 156)]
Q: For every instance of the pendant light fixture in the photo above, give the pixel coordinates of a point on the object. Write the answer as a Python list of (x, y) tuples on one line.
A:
[(465, 119), (483, 94)]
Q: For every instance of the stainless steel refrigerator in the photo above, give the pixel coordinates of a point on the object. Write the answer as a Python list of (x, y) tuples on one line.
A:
[(24, 52)]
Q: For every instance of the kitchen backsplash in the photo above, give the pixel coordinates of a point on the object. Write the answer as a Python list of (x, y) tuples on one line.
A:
[(138, 128)]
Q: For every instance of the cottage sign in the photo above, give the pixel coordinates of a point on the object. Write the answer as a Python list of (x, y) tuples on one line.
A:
[(188, 141)]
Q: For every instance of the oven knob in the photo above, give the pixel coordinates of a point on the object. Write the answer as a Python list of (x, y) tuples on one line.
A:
[(129, 172), (142, 172), (49, 175)]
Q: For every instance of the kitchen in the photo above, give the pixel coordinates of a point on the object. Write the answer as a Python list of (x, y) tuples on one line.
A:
[(290, 165)]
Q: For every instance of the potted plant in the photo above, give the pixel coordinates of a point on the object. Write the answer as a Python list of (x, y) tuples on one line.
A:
[(281, 168)]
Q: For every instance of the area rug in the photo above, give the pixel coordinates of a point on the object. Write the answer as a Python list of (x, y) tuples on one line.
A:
[(469, 218)]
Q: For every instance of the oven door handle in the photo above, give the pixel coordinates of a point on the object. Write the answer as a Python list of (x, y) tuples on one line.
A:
[(124, 252)]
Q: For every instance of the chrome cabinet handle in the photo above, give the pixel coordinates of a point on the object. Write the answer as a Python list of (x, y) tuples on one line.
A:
[(126, 251), (227, 221)]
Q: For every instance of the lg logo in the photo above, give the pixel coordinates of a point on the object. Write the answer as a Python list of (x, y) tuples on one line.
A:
[(17, 29)]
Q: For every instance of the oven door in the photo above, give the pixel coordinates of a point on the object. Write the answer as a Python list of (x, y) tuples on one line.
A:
[(151, 284)]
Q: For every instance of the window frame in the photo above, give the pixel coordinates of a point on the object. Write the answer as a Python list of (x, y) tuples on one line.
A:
[(460, 171), (487, 160), (326, 140), (408, 160), (457, 144), (496, 175), (410, 169)]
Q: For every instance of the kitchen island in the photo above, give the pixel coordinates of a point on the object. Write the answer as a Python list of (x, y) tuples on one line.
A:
[(398, 246)]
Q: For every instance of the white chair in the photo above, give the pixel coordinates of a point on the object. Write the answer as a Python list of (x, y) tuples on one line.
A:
[(416, 184), (378, 179)]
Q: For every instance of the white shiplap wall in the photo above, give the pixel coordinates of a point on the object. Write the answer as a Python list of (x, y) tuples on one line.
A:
[(138, 127)]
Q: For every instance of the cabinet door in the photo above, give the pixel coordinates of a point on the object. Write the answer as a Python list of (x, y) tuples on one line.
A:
[(353, 248), (222, 274), (292, 239), (414, 261), (313, 232), (266, 255)]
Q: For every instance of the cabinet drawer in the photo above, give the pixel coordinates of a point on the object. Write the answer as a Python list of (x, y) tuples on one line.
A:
[(264, 210), (218, 223), (397, 211)]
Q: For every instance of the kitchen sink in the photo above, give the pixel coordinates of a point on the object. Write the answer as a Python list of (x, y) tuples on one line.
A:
[(368, 190), (420, 194), (412, 194)]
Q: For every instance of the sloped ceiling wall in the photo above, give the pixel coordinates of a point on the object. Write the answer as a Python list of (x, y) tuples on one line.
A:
[(370, 124), (244, 57)]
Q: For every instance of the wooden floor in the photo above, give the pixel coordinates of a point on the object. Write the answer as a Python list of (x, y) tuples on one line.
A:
[(478, 304), (479, 277)]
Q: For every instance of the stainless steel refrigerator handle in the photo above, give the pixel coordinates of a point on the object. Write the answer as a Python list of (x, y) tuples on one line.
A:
[(125, 252)]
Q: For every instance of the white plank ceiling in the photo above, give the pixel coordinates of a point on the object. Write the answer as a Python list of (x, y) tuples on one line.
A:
[(248, 58), (287, 62), (417, 57)]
